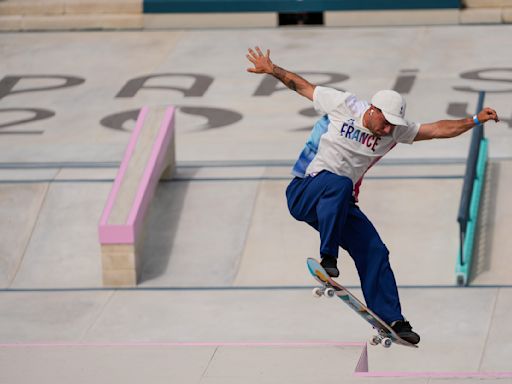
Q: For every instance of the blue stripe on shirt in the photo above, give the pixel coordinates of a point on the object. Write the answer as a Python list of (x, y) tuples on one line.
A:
[(311, 148)]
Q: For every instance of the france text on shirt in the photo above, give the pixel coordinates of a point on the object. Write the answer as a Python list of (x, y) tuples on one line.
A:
[(350, 132)]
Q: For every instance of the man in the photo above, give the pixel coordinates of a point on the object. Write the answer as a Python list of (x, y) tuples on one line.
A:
[(351, 136)]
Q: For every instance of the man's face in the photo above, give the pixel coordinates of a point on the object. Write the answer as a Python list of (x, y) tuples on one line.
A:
[(378, 124)]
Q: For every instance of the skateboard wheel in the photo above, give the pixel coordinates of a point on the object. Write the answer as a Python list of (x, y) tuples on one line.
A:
[(375, 340), (386, 343), (329, 292), (317, 292)]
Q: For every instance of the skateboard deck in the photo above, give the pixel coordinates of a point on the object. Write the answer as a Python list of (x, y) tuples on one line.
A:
[(330, 288)]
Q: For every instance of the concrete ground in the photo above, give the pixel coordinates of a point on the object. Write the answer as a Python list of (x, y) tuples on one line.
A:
[(224, 292)]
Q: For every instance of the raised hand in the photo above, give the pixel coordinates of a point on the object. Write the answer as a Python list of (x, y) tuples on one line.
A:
[(261, 62), (487, 114)]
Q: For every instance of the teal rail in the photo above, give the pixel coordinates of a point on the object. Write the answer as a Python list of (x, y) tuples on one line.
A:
[(467, 247), (469, 226)]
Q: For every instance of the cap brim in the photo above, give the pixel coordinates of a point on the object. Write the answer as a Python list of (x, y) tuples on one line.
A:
[(395, 120)]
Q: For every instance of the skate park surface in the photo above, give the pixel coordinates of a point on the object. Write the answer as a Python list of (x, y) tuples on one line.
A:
[(224, 293)]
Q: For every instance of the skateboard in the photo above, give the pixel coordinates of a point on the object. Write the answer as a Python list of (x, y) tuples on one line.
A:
[(330, 288)]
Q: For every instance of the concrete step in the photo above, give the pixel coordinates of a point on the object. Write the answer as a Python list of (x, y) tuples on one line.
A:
[(60, 7), (178, 362), (70, 22), (268, 335), (22, 15), (487, 3)]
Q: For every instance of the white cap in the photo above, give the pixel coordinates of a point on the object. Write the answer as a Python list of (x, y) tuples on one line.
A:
[(392, 105)]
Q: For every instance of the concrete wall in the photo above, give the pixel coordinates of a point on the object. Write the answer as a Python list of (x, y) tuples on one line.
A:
[(33, 15)]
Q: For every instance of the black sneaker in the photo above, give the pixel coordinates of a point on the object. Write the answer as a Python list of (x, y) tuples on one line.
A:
[(404, 330), (330, 265)]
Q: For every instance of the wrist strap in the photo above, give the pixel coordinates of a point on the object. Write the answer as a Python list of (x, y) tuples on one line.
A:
[(475, 120)]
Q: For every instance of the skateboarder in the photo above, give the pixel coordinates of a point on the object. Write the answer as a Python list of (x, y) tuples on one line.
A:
[(352, 136)]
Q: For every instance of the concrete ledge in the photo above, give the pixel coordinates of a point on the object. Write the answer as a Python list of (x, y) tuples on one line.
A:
[(31, 7), (120, 263), (148, 157), (102, 6), (120, 278), (481, 16), (487, 3), (60, 7), (80, 22), (210, 20), (388, 18), (10, 23), (180, 362), (507, 15), (33, 15)]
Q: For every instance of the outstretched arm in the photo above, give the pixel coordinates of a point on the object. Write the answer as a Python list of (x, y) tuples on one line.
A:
[(443, 129), (263, 64)]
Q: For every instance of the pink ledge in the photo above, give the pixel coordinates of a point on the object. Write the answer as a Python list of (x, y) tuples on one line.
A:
[(295, 344), (436, 374), (152, 171), (127, 233)]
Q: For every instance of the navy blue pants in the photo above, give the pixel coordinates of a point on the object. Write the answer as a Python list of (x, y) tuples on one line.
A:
[(325, 202)]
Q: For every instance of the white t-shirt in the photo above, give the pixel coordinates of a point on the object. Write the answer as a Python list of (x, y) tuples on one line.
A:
[(348, 148)]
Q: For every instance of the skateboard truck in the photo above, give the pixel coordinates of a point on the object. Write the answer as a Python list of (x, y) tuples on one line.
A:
[(318, 292), (386, 342)]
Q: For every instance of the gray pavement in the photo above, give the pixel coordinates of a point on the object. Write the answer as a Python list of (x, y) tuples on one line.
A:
[(223, 260), (142, 320)]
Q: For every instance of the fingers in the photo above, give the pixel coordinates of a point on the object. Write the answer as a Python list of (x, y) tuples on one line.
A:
[(258, 52), (251, 59), (490, 114)]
